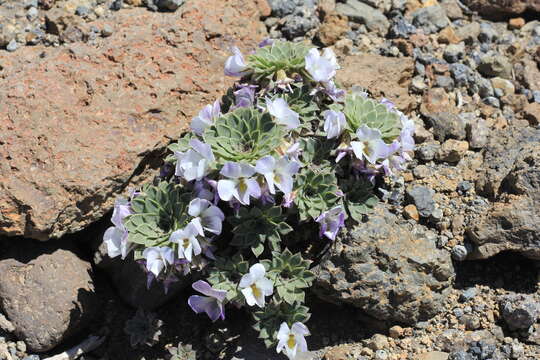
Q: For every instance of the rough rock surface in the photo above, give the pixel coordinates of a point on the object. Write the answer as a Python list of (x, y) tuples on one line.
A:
[(46, 291), (383, 76), (389, 268), (498, 8), (118, 103), (513, 177)]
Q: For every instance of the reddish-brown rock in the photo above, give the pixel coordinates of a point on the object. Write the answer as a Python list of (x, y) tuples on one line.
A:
[(382, 76), (501, 8), (80, 124), (332, 29)]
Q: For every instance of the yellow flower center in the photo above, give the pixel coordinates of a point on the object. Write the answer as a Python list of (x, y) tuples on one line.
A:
[(186, 243), (256, 291), (291, 342), (242, 186)]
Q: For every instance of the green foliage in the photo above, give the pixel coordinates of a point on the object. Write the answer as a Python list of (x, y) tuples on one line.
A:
[(359, 197), (254, 227), (316, 191), (360, 110), (157, 212), (290, 274), (280, 56), (272, 315), (182, 145), (143, 328), (226, 274), (182, 352), (244, 135)]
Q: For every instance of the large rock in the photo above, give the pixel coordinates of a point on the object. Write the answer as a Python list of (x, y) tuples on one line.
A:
[(46, 291), (381, 75), (373, 18), (510, 175), (389, 268), (81, 123), (502, 8)]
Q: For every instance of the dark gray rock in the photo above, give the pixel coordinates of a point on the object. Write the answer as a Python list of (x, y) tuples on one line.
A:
[(461, 73), (422, 197), (520, 311), (364, 14), (448, 126), (46, 291), (168, 5), (511, 176), (430, 18), (302, 20), (389, 268), (401, 28), (492, 101), (282, 8)]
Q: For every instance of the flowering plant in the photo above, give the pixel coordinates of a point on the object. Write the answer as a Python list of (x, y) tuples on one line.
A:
[(261, 186)]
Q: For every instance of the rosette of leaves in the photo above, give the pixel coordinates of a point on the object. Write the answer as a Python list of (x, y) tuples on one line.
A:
[(143, 328), (255, 227), (269, 319), (158, 210), (316, 191), (226, 274), (244, 135), (284, 56), (290, 274), (182, 352), (359, 198), (360, 110)]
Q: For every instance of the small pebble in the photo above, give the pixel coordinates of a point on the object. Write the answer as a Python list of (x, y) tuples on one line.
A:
[(459, 252), (107, 31), (468, 294), (12, 46)]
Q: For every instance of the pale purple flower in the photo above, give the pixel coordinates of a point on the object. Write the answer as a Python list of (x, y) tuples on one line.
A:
[(334, 123), (335, 93), (266, 42), (277, 173), (292, 340), (321, 68), (235, 65), (206, 216), (288, 200), (116, 237), (331, 221), (186, 238), (211, 304), (256, 286), (206, 117), (293, 152), (202, 190), (406, 135), (389, 105), (157, 258), (195, 163), (239, 184), (245, 96), (370, 144), (279, 109)]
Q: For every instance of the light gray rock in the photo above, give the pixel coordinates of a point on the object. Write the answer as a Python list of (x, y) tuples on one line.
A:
[(430, 18), (365, 14)]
